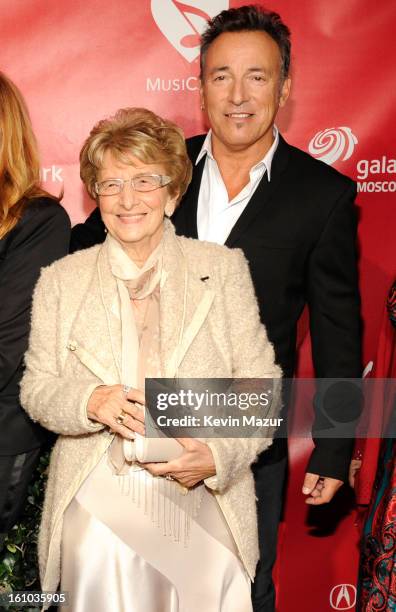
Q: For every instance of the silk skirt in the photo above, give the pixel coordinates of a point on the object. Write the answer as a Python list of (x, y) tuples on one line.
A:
[(138, 543)]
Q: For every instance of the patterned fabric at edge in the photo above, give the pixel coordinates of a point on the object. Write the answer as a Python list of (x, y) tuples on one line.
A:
[(377, 579), (378, 568)]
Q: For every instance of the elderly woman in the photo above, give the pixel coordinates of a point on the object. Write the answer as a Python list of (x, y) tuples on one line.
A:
[(118, 534)]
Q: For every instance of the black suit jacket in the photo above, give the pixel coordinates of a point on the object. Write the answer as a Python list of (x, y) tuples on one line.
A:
[(41, 236), (298, 233)]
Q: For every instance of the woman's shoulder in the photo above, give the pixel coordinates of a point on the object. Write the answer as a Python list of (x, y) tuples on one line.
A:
[(43, 230), (73, 267), (43, 218), (211, 252), (43, 203), (42, 208), (204, 248)]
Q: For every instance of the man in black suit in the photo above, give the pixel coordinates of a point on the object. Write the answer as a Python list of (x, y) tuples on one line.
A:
[(293, 217)]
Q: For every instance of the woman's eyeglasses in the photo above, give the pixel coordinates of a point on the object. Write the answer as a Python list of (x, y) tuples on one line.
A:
[(142, 183)]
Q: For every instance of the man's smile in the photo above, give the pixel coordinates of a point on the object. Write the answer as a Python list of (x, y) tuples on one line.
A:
[(239, 115)]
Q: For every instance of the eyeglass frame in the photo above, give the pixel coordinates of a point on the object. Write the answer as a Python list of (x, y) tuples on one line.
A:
[(122, 182)]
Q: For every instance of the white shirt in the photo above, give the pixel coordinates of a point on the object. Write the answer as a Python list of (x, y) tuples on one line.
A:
[(216, 215)]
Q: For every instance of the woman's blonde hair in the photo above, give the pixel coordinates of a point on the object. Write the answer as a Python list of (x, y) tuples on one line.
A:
[(19, 161), (140, 133)]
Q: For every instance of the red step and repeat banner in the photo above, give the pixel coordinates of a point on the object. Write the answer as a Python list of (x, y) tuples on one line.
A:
[(77, 62)]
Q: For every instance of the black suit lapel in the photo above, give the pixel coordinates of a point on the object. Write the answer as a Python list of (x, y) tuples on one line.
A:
[(190, 201), (264, 192), (185, 217)]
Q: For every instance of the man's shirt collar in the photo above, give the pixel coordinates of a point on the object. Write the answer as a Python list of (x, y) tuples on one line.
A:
[(266, 161)]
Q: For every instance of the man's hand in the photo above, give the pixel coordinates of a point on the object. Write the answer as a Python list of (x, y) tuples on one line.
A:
[(354, 467), (194, 465), (320, 489)]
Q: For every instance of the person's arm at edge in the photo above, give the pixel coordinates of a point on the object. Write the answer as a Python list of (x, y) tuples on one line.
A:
[(41, 237), (56, 402), (334, 304)]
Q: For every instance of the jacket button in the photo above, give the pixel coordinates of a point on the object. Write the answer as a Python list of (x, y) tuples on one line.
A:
[(71, 346)]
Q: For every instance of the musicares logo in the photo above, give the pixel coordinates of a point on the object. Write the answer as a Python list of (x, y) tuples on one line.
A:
[(333, 144), (343, 597), (183, 22)]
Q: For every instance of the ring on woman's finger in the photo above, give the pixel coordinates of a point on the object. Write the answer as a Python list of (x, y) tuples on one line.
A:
[(121, 417), (126, 389), (169, 477)]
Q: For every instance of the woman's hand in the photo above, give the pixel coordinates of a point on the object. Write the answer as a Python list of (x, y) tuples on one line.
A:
[(194, 465), (108, 403)]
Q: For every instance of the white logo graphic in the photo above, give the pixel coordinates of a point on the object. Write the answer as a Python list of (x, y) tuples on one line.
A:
[(343, 597), (183, 22), (332, 144), (53, 173)]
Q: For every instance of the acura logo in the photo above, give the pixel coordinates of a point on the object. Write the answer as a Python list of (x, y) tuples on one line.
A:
[(343, 597), (183, 22)]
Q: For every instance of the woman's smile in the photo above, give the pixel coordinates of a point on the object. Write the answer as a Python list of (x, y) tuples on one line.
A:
[(131, 218)]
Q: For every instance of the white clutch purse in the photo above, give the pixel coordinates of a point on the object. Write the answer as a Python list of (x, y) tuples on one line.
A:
[(152, 450)]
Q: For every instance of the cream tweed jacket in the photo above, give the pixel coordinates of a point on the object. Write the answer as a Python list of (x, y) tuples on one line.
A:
[(75, 345)]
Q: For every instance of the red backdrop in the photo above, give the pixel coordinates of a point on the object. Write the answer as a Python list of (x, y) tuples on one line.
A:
[(77, 62)]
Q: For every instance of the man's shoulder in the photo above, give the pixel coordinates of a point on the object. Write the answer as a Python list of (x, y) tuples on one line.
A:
[(308, 168), (299, 162)]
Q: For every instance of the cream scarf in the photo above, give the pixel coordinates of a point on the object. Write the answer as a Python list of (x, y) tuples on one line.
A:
[(141, 282)]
